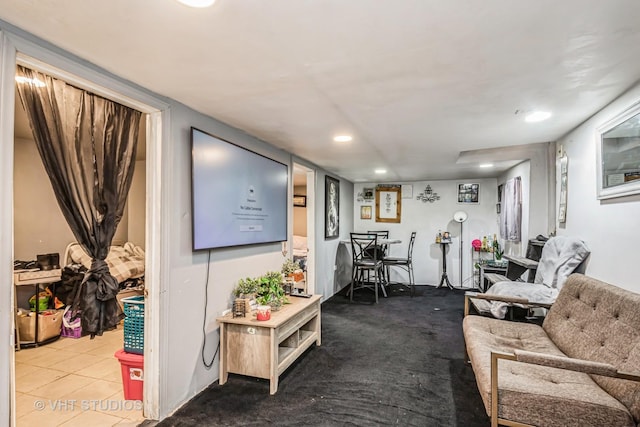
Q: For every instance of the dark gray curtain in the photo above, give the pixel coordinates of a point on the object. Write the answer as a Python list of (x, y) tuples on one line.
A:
[(88, 146)]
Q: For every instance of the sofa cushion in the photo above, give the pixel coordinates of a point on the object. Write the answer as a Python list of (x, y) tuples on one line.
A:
[(599, 322), (535, 394)]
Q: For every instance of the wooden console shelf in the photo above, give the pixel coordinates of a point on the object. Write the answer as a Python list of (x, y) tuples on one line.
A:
[(265, 349)]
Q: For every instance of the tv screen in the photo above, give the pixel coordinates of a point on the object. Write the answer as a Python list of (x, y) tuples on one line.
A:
[(239, 197)]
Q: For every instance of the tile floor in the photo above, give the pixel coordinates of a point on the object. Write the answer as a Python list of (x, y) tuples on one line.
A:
[(73, 382)]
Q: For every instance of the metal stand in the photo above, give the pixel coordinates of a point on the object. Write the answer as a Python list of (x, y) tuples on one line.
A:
[(444, 279)]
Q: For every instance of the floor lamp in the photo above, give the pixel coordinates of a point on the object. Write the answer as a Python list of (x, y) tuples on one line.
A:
[(460, 216)]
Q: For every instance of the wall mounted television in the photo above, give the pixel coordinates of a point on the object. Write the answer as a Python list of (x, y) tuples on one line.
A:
[(238, 197)]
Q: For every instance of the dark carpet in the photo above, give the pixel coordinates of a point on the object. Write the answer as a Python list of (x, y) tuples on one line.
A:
[(400, 362)]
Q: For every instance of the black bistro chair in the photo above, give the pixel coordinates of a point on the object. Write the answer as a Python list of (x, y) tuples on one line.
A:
[(367, 270), (404, 263)]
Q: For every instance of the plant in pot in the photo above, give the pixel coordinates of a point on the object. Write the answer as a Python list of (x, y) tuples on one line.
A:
[(498, 252), (270, 290), (246, 289), (292, 269)]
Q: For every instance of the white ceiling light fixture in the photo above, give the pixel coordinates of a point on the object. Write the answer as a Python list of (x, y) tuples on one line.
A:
[(486, 165), (537, 116), (380, 171), (197, 3), (343, 138)]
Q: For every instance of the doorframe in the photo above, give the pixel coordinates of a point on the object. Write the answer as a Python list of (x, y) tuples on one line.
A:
[(311, 224), (18, 47)]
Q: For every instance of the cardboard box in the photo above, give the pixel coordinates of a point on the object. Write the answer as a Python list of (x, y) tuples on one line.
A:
[(49, 325)]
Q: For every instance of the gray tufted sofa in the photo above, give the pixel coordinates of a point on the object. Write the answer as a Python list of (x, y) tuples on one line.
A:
[(580, 368)]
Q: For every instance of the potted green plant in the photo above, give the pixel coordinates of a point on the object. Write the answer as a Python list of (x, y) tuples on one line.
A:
[(270, 290), (498, 252), (246, 288), (289, 267), (293, 270)]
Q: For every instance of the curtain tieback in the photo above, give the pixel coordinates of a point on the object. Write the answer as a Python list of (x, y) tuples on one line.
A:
[(107, 285)]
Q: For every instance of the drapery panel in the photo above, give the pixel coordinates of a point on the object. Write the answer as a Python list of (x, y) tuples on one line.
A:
[(88, 146), (511, 212)]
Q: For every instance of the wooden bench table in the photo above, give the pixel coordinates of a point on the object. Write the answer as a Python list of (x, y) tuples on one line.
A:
[(265, 349)]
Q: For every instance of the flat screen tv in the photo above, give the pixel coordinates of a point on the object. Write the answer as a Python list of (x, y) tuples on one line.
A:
[(238, 197)]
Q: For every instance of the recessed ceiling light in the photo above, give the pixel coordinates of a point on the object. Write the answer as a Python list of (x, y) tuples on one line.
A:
[(34, 81), (486, 165), (537, 116), (380, 171), (342, 138), (198, 3)]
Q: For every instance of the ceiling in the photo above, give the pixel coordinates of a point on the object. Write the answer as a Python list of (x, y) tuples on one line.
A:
[(415, 82)]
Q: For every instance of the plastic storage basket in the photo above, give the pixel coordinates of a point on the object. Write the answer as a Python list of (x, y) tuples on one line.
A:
[(71, 328), (134, 324)]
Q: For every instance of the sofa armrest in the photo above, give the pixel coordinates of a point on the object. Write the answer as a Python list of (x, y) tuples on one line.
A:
[(580, 365), (502, 298)]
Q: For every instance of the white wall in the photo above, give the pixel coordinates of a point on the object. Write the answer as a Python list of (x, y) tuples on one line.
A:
[(35, 233), (136, 205), (186, 293), (427, 218), (610, 228)]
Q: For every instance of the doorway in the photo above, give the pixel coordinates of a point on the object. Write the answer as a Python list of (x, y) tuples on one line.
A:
[(304, 221), (53, 373), (156, 114)]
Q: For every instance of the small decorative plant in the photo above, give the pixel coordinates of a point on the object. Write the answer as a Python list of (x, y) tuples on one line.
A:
[(497, 251), (246, 287), (289, 267), (270, 290)]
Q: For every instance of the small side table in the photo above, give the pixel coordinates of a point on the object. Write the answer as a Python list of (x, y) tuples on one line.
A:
[(31, 278), (444, 279), (489, 268)]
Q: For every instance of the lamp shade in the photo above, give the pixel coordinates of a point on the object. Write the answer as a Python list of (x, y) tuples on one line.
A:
[(460, 216)]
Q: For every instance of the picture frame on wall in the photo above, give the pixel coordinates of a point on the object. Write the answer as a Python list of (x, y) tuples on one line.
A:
[(468, 193), (300, 201), (331, 207), (388, 204), (365, 212), (367, 194)]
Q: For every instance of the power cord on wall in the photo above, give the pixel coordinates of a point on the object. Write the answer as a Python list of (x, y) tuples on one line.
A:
[(204, 320)]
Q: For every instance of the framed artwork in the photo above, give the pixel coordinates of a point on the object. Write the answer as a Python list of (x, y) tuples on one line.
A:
[(388, 204), (365, 212), (367, 194), (562, 210), (300, 201), (468, 193), (331, 207), (617, 155)]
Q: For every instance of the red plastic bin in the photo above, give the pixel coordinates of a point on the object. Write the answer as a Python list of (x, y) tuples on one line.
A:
[(132, 366)]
